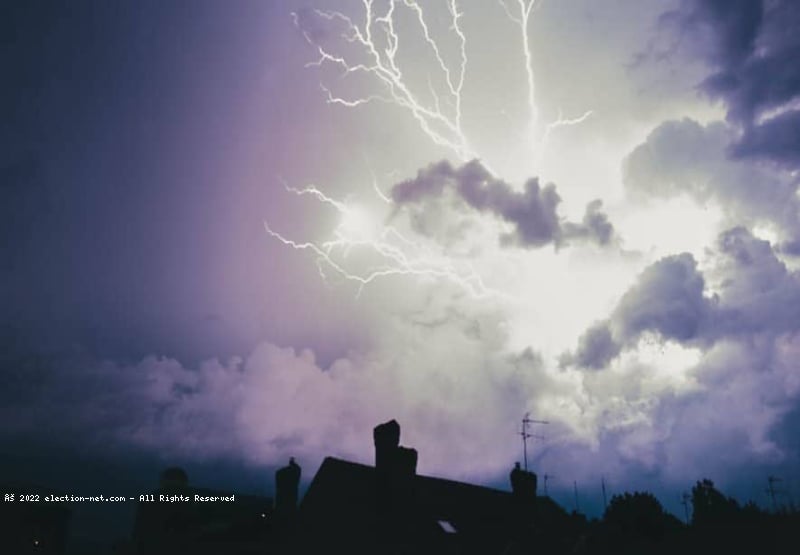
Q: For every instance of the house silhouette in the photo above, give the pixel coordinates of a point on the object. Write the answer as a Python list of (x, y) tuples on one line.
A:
[(355, 508), (236, 524)]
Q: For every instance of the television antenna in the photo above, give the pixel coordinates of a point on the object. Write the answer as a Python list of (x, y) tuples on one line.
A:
[(771, 480), (526, 421), (546, 478), (685, 502)]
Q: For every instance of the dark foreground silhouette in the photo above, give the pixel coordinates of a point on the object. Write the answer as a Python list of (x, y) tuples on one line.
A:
[(388, 508)]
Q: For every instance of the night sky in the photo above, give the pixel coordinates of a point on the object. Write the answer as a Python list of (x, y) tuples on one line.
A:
[(235, 232)]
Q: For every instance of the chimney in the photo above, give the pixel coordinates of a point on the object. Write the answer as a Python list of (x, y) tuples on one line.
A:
[(387, 439), (287, 480), (405, 462), (523, 484), (395, 468)]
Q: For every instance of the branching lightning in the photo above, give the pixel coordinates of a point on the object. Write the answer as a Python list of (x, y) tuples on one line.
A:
[(379, 42), (526, 7), (396, 254), (371, 49)]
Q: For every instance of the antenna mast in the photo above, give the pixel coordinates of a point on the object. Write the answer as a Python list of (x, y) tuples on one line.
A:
[(546, 478), (526, 420), (771, 491), (685, 502)]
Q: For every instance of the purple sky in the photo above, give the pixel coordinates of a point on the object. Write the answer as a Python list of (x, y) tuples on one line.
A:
[(230, 235)]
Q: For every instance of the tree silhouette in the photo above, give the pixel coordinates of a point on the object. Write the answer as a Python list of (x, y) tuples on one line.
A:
[(636, 514), (711, 507)]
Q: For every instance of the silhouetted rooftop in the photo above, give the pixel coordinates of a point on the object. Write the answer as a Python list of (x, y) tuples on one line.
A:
[(342, 508)]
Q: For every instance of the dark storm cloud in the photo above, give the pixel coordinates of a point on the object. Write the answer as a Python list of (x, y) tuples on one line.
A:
[(758, 293), (596, 347), (594, 226), (532, 212), (776, 139), (741, 315), (667, 299), (734, 25), (685, 157), (753, 48), (754, 295)]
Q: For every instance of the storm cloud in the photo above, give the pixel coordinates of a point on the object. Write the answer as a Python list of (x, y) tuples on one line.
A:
[(667, 299), (752, 47), (145, 309), (684, 157), (728, 335), (532, 212), (745, 292)]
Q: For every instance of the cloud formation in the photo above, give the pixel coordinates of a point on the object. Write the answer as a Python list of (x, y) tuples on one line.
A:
[(746, 291), (448, 363), (278, 402), (721, 376), (683, 157), (667, 299), (753, 48), (531, 212)]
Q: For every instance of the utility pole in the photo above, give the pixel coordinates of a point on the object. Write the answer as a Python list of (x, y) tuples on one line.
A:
[(525, 435), (605, 499), (575, 488), (685, 502)]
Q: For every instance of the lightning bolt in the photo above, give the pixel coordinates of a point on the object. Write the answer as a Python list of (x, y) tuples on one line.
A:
[(379, 41), (525, 9), (398, 254), (523, 20), (370, 49)]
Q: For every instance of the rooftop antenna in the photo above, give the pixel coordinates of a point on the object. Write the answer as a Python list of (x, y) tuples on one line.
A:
[(546, 478), (771, 491), (605, 499), (685, 502), (526, 420), (575, 488)]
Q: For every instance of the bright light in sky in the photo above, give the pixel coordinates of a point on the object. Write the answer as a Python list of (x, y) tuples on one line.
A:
[(548, 296), (595, 290), (670, 226), (358, 221), (484, 209)]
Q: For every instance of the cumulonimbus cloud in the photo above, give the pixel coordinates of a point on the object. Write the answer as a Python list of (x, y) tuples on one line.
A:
[(747, 292)]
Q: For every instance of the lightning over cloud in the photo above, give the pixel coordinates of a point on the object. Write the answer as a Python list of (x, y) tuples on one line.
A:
[(391, 252), (379, 40), (371, 49), (489, 207), (606, 317)]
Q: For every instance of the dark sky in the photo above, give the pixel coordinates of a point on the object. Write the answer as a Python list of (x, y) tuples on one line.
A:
[(601, 226)]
